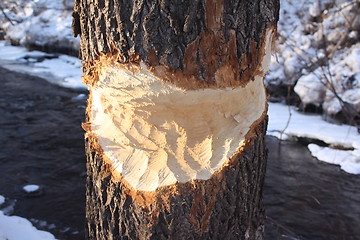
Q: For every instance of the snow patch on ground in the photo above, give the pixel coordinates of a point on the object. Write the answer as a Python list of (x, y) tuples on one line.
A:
[(283, 125), (79, 97), (349, 161), (65, 68), (310, 89), (31, 188), (59, 69), (18, 228)]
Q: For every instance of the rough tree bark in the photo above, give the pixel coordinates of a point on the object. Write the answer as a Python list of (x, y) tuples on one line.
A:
[(176, 116)]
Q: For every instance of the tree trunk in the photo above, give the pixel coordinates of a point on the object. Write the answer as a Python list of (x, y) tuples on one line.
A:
[(176, 116)]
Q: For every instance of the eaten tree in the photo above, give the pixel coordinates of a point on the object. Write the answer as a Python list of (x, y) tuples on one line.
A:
[(176, 116)]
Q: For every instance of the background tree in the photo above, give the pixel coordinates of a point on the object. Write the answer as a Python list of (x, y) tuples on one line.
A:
[(176, 116)]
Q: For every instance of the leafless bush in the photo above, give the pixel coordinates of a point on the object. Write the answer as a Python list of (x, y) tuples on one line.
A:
[(326, 50)]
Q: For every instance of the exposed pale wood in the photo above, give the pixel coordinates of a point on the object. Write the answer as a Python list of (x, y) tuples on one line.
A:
[(156, 134)]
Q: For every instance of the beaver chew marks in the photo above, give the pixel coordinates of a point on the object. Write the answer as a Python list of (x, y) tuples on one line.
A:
[(156, 134)]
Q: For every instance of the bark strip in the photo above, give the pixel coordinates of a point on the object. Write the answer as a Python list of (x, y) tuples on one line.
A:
[(198, 38)]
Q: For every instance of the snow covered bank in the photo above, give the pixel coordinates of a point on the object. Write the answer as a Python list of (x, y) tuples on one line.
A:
[(284, 125), (18, 228), (59, 69), (349, 161), (319, 54), (40, 23)]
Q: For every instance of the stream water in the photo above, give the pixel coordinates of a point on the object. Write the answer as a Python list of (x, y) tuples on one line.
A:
[(42, 143), (308, 199)]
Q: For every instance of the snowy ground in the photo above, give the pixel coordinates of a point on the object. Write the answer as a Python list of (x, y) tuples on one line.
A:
[(286, 122), (63, 70), (18, 228)]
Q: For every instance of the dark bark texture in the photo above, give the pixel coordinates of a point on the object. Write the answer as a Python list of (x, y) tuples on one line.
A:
[(187, 35), (227, 206)]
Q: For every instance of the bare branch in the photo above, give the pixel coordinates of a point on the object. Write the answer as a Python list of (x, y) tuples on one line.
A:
[(5, 15)]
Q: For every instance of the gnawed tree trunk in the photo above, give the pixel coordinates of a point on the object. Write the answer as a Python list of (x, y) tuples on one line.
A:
[(176, 116)]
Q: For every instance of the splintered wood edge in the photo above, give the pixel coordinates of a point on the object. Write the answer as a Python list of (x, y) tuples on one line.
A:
[(149, 198)]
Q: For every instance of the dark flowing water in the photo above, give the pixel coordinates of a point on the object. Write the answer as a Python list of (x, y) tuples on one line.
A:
[(309, 199), (42, 143)]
